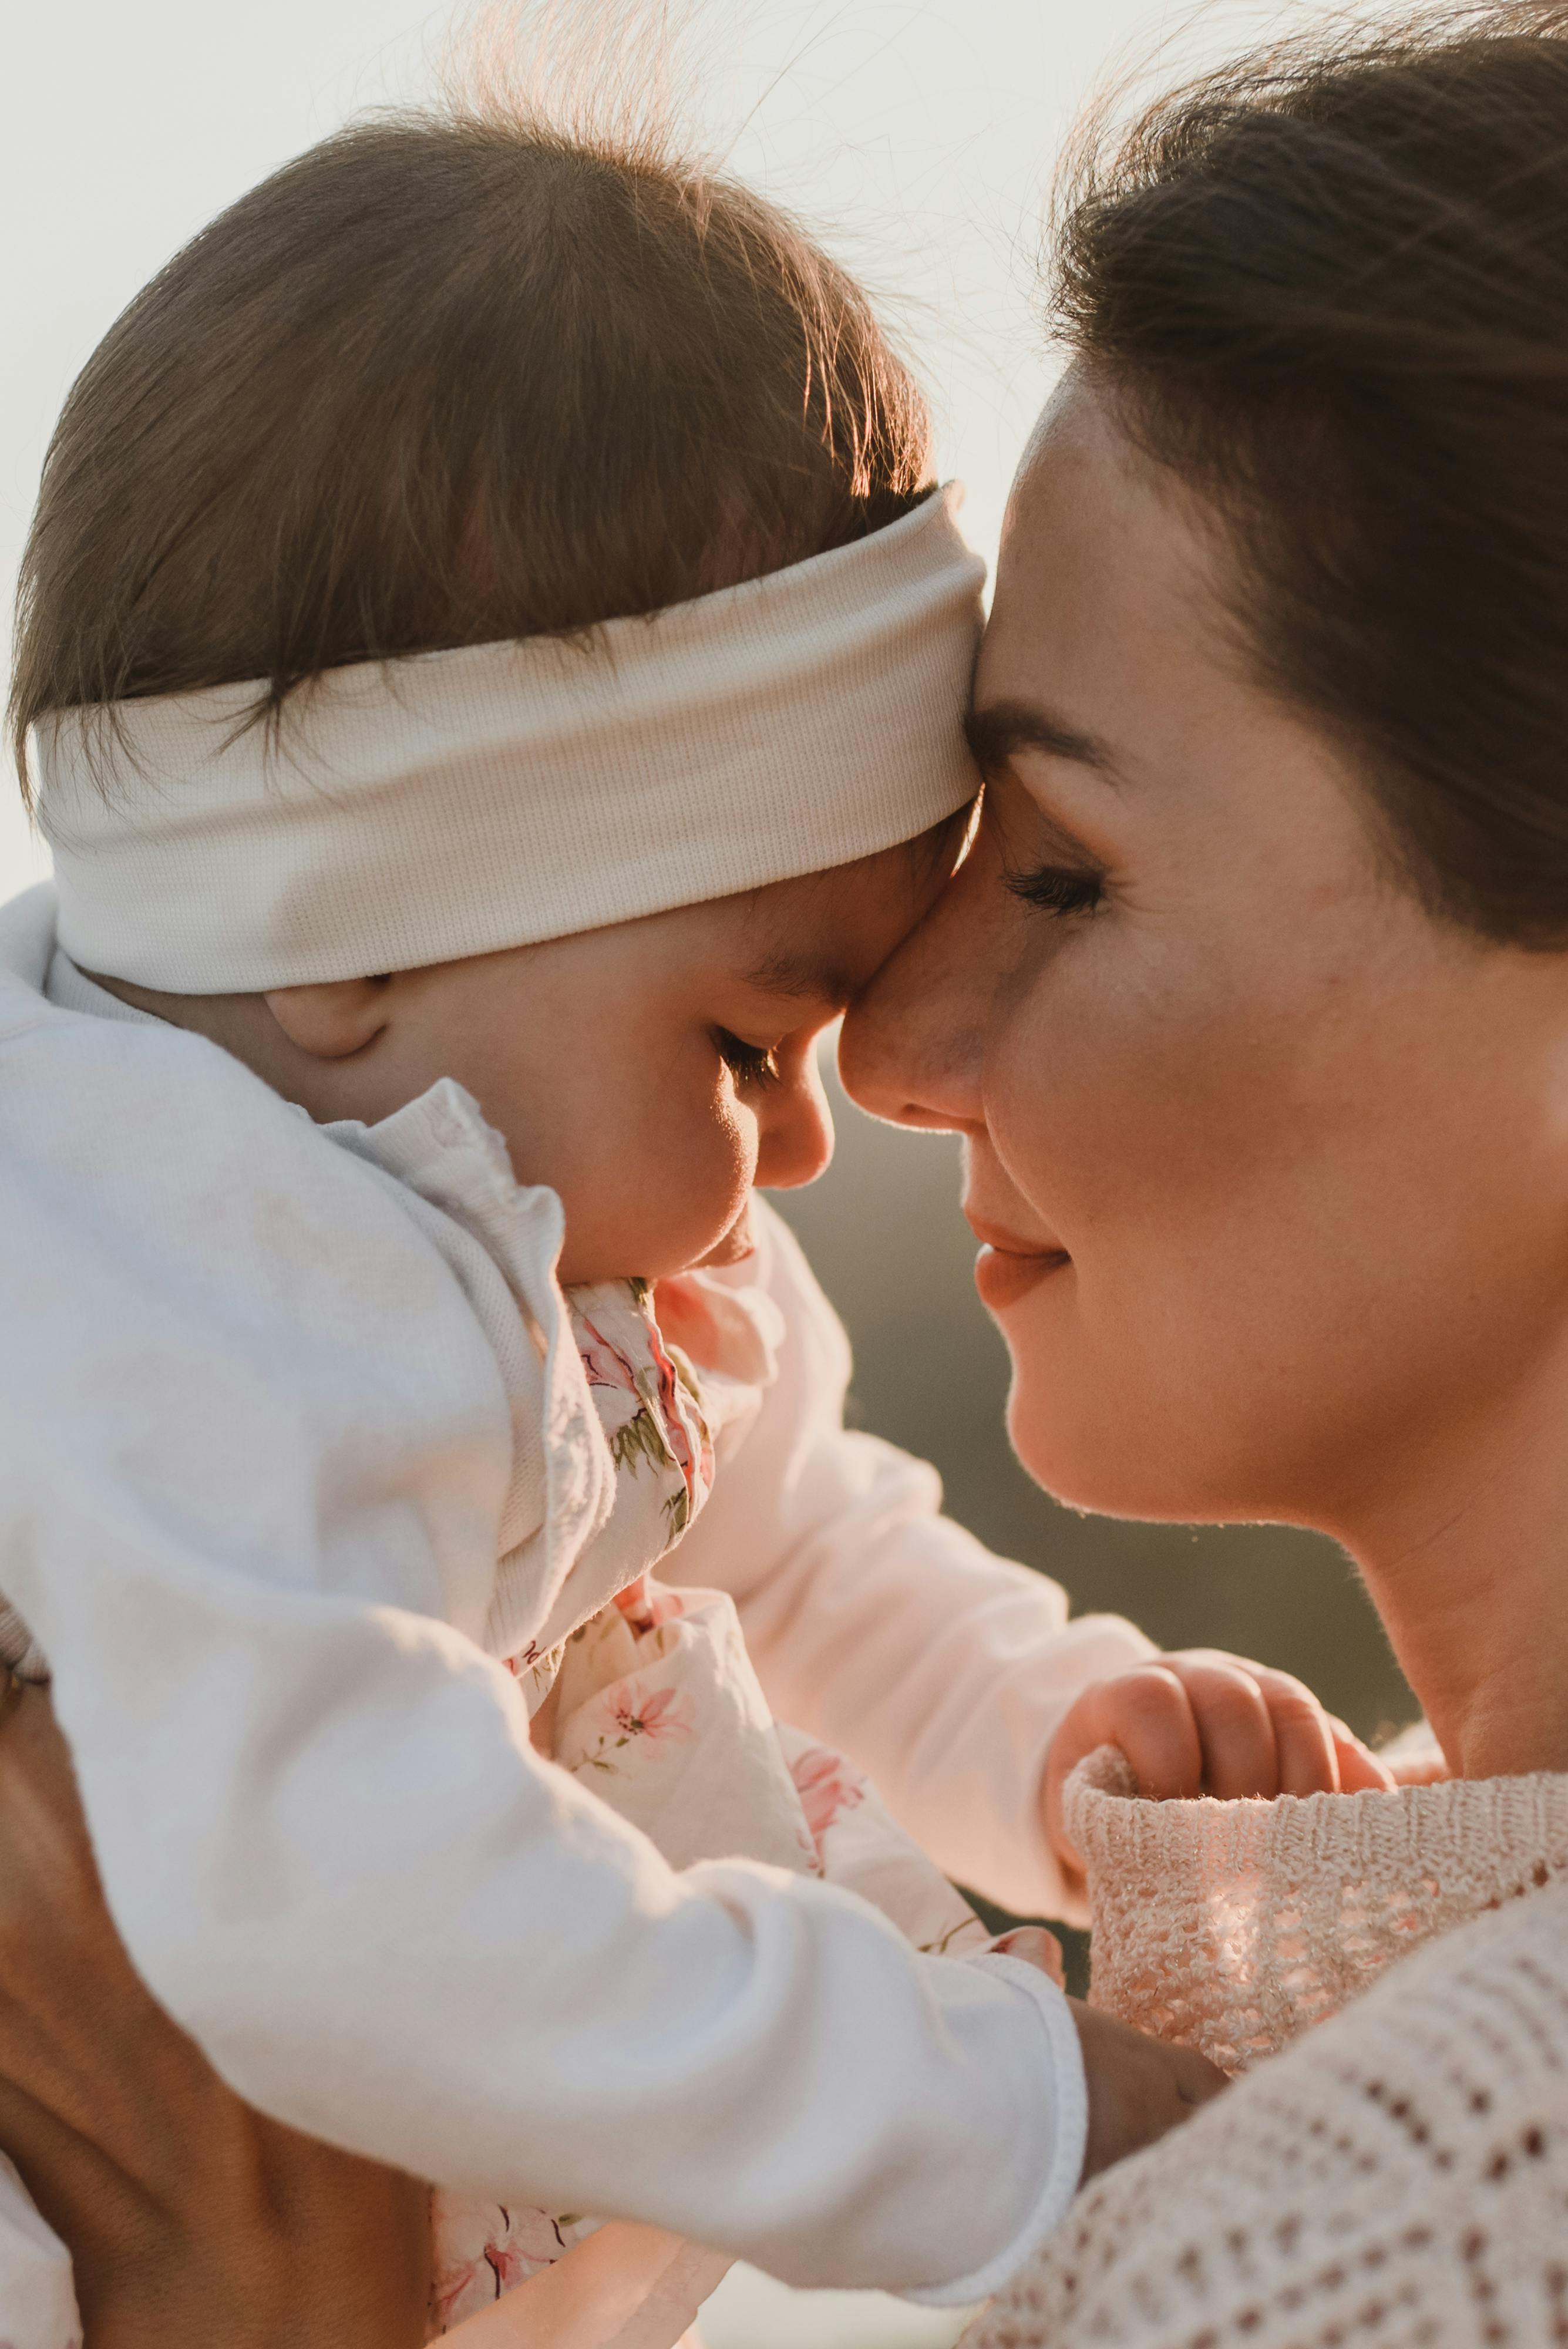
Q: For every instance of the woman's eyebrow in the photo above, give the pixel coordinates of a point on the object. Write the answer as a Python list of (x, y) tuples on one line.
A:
[(996, 732)]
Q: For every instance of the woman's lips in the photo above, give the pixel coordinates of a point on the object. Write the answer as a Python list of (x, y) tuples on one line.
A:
[(1008, 1266), (1002, 1275)]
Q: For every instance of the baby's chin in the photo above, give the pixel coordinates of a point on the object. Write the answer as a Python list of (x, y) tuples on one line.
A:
[(738, 1243)]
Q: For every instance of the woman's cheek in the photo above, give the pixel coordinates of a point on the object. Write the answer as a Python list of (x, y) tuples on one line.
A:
[(1104, 1350), (1055, 1104)]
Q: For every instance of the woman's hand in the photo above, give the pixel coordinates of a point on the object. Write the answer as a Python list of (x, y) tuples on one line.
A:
[(1138, 2088), (190, 2219), (1203, 1722)]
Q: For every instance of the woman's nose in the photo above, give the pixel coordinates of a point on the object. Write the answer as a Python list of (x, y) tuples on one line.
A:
[(912, 1043), (794, 1144)]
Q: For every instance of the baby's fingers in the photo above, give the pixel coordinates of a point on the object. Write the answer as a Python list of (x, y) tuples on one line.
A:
[(1235, 1725), (1359, 1768), (1148, 1712), (1277, 1741), (1304, 1743)]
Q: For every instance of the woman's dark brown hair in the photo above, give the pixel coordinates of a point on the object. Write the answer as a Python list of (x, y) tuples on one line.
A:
[(450, 378), (1329, 288)]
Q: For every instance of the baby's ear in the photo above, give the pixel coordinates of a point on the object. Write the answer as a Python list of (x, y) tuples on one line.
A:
[(331, 1020)]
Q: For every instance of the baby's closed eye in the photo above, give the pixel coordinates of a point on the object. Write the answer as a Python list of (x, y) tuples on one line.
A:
[(749, 1064)]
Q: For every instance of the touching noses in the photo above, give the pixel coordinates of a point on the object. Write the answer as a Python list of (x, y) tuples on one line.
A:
[(794, 1142), (911, 1045)]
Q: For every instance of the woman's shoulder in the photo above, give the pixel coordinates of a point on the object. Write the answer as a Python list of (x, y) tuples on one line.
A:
[(1400, 2173)]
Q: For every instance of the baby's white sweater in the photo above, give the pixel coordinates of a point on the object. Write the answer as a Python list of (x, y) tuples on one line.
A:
[(271, 1411)]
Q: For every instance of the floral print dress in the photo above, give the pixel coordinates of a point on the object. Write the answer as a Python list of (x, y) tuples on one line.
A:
[(653, 1702)]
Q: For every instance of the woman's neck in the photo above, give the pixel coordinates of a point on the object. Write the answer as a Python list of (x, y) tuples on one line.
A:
[(1466, 1557)]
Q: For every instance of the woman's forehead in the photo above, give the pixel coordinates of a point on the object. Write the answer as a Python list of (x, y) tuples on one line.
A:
[(1111, 595)]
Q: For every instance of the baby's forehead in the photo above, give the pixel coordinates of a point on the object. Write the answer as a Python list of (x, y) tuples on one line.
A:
[(819, 937), (803, 975)]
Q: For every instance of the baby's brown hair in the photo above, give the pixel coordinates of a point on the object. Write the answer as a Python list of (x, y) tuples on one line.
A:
[(452, 378)]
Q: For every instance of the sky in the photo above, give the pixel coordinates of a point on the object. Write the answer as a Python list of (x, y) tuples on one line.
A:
[(915, 137)]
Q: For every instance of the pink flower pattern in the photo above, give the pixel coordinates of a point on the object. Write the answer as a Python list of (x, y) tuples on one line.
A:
[(516, 2245), (696, 1467), (686, 1317), (646, 1604), (664, 1432), (603, 1360), (657, 1715), (828, 1787)]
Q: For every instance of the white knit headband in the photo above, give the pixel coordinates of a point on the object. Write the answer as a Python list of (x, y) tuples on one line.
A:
[(418, 810)]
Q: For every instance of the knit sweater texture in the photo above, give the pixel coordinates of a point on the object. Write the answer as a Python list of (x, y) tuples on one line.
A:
[(1234, 1927), (1395, 2176)]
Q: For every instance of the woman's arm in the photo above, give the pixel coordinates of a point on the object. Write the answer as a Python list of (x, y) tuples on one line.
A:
[(190, 2218)]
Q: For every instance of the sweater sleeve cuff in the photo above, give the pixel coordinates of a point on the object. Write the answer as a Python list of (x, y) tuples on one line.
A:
[(1065, 2084)]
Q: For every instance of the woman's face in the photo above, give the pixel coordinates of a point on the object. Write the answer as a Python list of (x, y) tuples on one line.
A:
[(1273, 1167)]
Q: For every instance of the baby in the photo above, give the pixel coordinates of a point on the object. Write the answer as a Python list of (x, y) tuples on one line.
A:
[(438, 956)]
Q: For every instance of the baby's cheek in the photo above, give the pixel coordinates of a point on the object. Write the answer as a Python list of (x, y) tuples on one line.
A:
[(693, 1180), (723, 1168)]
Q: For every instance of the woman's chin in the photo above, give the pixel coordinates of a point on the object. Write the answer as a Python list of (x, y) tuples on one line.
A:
[(1076, 1419), (1084, 1442)]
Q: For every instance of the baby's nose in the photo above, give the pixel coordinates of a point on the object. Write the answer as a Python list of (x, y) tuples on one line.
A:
[(797, 1141)]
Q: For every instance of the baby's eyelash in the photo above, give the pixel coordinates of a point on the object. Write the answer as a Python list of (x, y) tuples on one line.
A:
[(749, 1064), (1059, 888)]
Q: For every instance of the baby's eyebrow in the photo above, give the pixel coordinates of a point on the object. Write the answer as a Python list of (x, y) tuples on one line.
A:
[(812, 977)]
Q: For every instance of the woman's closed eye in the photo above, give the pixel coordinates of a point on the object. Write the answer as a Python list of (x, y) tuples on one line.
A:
[(749, 1064), (1059, 888)]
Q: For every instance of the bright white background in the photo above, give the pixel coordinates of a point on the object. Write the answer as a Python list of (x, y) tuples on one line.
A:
[(917, 135)]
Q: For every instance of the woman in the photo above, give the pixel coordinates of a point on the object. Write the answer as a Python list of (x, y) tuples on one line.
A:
[(1251, 1003)]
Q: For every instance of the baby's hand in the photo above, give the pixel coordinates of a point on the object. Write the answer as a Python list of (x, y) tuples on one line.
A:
[(1138, 2088), (1202, 1722)]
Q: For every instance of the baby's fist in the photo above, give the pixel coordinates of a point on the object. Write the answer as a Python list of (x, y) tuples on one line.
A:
[(1203, 1723)]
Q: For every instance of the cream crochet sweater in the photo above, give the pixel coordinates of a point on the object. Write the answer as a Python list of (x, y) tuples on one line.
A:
[(1396, 2180)]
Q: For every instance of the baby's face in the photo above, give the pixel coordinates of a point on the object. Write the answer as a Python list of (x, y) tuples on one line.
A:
[(650, 1073)]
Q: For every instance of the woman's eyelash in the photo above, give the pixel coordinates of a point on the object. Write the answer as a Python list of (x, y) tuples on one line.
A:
[(1059, 888), (749, 1064)]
